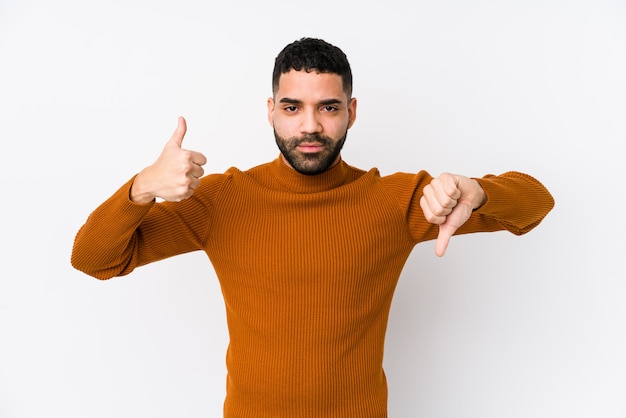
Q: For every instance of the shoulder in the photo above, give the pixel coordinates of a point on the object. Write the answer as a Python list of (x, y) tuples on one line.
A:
[(407, 181)]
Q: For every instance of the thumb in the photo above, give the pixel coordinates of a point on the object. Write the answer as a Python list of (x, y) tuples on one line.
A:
[(459, 215), (445, 233), (177, 137)]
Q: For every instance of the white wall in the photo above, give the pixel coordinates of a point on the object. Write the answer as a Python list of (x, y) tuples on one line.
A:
[(502, 326)]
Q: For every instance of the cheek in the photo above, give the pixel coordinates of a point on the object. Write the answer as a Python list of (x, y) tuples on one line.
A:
[(284, 126), (337, 128)]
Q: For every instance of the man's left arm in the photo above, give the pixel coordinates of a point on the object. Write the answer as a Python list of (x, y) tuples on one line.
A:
[(513, 201)]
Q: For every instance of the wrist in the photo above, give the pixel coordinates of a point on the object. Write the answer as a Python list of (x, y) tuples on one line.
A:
[(138, 195), (480, 197)]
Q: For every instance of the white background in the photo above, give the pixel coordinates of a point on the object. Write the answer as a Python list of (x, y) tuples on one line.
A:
[(502, 326)]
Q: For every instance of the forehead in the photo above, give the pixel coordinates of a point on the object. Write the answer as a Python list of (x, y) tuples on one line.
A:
[(310, 85)]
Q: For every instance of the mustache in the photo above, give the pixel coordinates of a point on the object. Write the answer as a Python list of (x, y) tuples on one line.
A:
[(310, 138)]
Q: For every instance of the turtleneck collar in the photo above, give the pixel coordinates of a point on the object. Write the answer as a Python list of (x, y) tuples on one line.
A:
[(293, 181)]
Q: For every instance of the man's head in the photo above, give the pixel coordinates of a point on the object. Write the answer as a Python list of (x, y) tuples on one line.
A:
[(312, 106)]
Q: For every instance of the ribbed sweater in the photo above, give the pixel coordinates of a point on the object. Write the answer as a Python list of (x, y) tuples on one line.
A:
[(307, 266)]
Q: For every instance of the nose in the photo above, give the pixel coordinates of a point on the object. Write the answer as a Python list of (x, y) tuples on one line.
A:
[(310, 122)]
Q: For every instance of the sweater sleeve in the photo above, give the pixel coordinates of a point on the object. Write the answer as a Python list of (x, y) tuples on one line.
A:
[(120, 235), (516, 202)]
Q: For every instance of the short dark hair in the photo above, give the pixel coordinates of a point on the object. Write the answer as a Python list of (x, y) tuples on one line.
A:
[(310, 54)]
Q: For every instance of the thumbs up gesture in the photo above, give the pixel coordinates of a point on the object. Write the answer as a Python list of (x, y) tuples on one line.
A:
[(174, 175), (448, 201)]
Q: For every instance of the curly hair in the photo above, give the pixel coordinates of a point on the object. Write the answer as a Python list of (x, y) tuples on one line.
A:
[(310, 54)]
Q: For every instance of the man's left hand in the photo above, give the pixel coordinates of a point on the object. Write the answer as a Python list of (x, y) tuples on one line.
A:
[(448, 201)]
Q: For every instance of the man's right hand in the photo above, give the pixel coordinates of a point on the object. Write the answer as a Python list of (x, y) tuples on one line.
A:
[(174, 175)]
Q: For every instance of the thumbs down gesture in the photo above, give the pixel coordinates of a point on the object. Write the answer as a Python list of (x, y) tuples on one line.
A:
[(448, 201)]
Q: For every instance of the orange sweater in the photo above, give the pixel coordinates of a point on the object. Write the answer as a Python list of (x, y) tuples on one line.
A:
[(307, 266)]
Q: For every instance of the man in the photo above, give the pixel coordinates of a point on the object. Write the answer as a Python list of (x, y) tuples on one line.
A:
[(308, 249)]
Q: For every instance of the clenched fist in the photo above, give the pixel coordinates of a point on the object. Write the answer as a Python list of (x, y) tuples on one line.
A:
[(174, 175), (448, 201)]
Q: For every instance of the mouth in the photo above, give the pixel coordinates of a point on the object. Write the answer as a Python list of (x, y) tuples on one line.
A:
[(310, 147)]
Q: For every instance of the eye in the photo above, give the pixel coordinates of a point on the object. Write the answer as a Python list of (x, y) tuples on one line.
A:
[(290, 108), (329, 108)]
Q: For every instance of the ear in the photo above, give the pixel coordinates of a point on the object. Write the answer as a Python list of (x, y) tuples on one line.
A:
[(351, 112), (270, 110)]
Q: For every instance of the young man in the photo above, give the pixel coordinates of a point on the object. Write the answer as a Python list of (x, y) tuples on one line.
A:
[(308, 249)]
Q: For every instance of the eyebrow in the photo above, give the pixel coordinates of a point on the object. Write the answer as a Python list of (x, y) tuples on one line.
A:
[(323, 102)]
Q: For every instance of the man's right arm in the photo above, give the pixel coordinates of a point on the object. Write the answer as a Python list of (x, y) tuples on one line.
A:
[(120, 234)]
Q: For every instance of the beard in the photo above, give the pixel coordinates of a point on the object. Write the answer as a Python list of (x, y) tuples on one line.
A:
[(313, 163)]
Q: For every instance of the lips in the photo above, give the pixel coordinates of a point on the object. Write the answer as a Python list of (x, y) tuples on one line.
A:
[(310, 147)]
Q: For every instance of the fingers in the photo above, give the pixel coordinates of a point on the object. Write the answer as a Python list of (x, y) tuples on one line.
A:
[(196, 171), (191, 172), (197, 158), (440, 197), (446, 192)]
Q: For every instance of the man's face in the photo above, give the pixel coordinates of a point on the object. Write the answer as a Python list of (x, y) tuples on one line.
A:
[(310, 114)]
